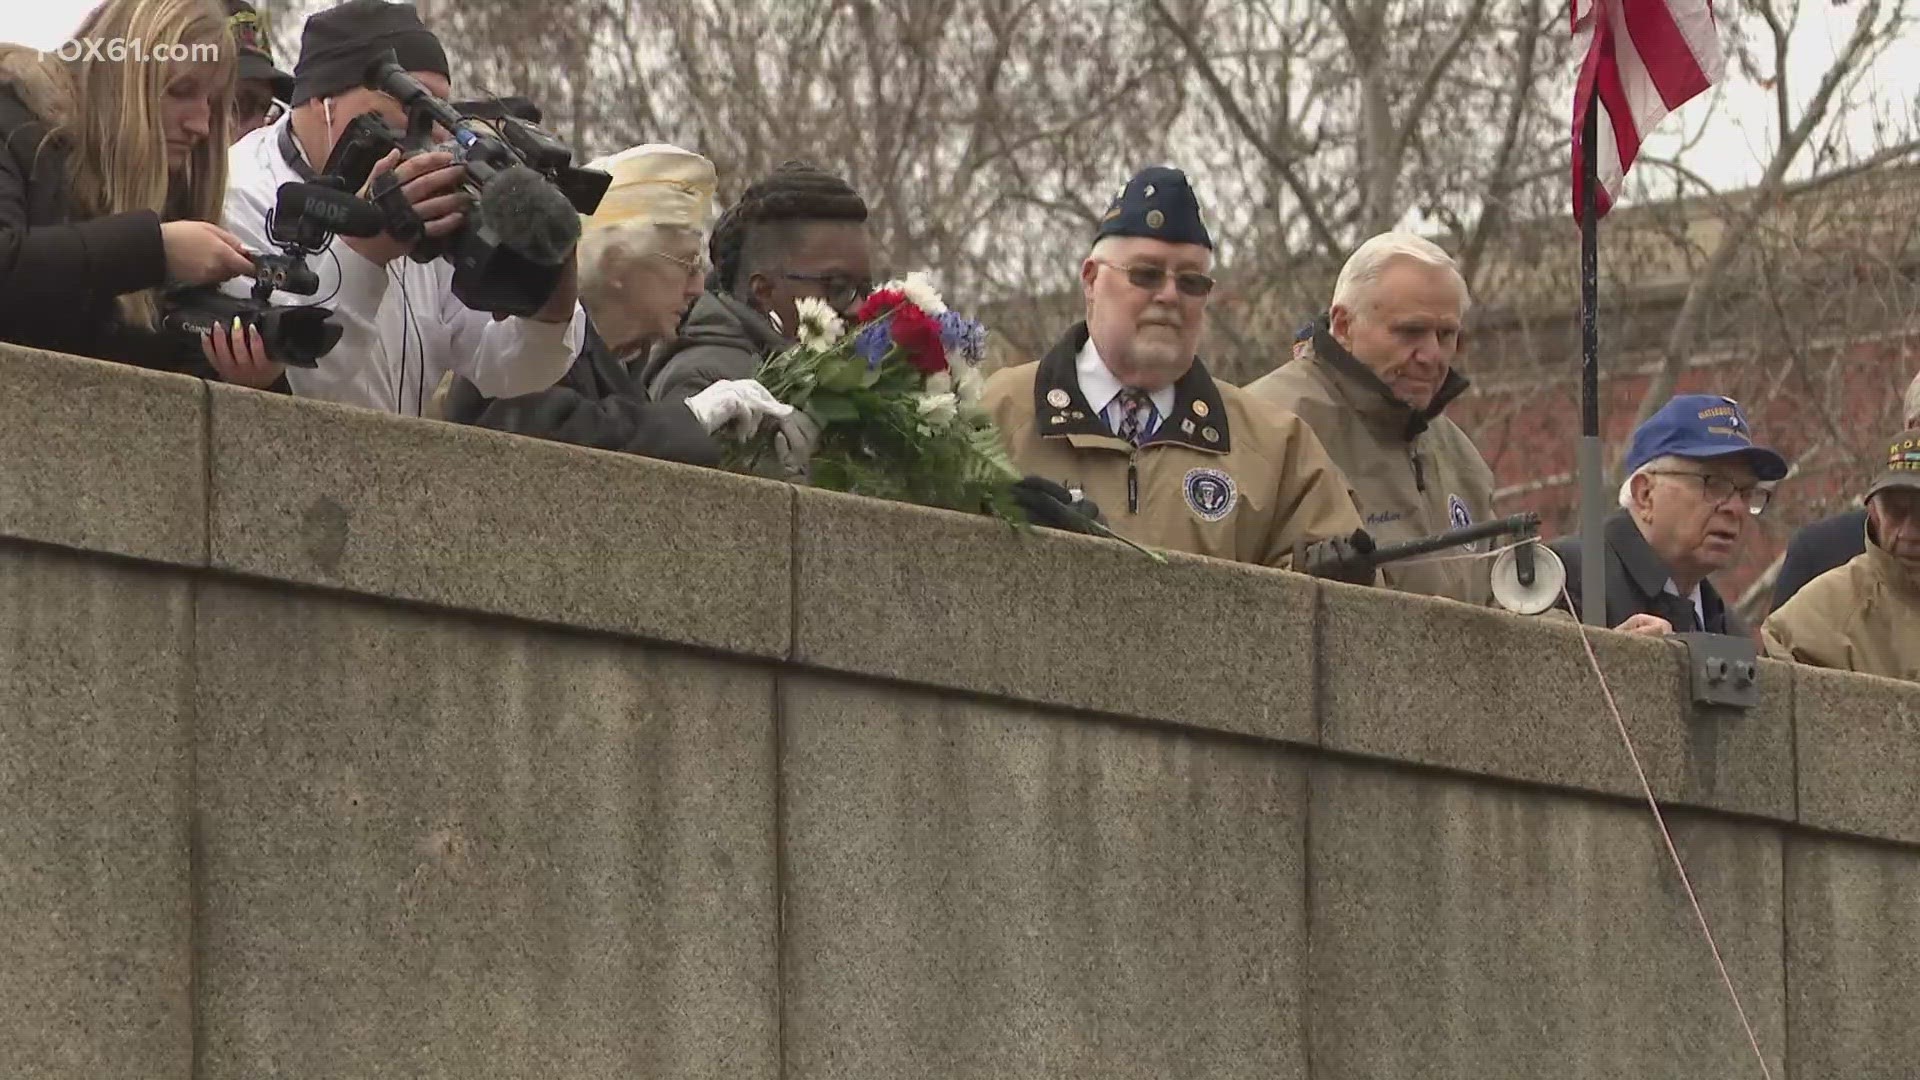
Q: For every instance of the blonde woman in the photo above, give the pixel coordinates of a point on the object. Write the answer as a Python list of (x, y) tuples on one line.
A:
[(113, 161)]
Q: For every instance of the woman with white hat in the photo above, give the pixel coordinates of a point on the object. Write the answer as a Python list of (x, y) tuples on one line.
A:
[(640, 268)]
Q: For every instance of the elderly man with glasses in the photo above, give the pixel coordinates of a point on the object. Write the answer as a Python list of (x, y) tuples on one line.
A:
[(1121, 413), (1697, 483), (1372, 377)]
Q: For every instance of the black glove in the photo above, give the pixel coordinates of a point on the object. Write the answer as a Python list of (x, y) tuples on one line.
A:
[(1053, 506), (1339, 558)]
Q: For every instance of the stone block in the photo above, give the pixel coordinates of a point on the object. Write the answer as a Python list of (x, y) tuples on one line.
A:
[(1435, 682), (324, 494), (1859, 740), (102, 456), (96, 972), (1853, 958), (1464, 930), (962, 601), (440, 849), (975, 890)]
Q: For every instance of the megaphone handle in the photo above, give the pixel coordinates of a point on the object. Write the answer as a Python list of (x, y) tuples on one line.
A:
[(1523, 565)]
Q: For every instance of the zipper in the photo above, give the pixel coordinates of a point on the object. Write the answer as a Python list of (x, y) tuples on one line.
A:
[(1133, 481), (1419, 474)]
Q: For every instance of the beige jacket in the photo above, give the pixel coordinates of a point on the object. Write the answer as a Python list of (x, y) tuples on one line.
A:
[(1412, 474), (1863, 616), (1225, 475)]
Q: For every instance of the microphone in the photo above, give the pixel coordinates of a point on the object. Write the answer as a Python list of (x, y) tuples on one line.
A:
[(332, 209), (529, 216)]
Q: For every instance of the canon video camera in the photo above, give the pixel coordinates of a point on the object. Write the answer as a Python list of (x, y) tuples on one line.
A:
[(304, 220), (511, 252)]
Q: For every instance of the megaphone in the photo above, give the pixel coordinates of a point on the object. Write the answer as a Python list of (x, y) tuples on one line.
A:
[(1527, 579)]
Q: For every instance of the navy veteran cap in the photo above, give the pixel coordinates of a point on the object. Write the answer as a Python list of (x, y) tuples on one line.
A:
[(1159, 203), (1702, 426), (1903, 464)]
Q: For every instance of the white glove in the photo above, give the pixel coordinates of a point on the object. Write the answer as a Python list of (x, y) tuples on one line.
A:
[(793, 444), (738, 405)]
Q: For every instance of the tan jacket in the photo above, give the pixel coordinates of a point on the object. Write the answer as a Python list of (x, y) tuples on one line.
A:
[(1863, 616), (1412, 474), (1224, 475)]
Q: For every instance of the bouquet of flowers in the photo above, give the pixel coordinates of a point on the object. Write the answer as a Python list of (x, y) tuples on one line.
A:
[(897, 400)]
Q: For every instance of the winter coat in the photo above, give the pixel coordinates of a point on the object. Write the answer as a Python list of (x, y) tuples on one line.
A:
[(1863, 616), (1636, 583), (1818, 548), (1226, 475), (599, 403), (60, 278), (1412, 473), (721, 338)]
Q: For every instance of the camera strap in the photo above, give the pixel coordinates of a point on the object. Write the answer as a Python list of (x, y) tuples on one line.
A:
[(290, 153)]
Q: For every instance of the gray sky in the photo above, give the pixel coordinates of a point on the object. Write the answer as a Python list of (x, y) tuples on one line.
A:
[(1734, 133)]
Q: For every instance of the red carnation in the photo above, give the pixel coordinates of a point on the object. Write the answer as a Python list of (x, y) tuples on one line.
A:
[(879, 304), (918, 335)]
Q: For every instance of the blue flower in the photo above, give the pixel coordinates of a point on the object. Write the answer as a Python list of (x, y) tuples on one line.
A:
[(962, 335), (872, 344)]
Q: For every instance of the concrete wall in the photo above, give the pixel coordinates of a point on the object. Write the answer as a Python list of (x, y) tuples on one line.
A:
[(334, 744)]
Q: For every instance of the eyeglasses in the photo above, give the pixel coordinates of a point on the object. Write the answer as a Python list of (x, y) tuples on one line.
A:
[(249, 104), (839, 291), (1718, 488), (693, 267), (1147, 277)]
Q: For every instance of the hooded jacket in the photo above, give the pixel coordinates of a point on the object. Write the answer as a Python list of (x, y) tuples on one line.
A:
[(722, 338), (1413, 472), (60, 278), (1863, 616)]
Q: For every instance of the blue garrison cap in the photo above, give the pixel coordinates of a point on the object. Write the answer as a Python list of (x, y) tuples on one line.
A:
[(1702, 426), (1159, 203)]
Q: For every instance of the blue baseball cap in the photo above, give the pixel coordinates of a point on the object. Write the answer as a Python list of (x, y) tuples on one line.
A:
[(1702, 426)]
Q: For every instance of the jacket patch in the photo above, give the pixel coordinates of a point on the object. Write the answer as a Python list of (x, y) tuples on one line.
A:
[(1210, 493), (1458, 517)]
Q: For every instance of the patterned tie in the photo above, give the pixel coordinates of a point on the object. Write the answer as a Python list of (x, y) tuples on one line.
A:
[(1133, 414)]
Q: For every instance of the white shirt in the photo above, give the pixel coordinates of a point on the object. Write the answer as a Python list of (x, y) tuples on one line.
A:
[(401, 327), (1100, 388)]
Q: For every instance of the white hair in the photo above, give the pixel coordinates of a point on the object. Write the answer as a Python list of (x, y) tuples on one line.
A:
[(1366, 265), (1104, 246), (1912, 410), (1662, 463), (626, 239)]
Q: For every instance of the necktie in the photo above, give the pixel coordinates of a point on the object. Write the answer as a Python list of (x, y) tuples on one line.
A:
[(1134, 406)]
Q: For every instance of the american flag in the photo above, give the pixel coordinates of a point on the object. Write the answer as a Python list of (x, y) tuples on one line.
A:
[(1644, 59)]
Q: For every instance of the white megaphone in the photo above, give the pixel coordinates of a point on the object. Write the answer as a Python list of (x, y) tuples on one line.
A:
[(1534, 590)]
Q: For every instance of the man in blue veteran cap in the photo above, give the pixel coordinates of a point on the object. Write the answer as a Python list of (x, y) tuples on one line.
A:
[(1122, 413), (1697, 482)]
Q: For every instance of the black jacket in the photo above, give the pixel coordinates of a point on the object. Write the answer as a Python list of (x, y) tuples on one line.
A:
[(599, 403), (1637, 580), (1817, 548), (59, 279), (721, 338)]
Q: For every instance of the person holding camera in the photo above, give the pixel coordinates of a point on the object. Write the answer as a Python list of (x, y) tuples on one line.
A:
[(402, 327), (111, 171)]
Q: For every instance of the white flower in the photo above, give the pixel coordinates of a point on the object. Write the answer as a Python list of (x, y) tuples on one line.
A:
[(921, 293), (967, 382), (939, 410), (940, 382), (820, 325)]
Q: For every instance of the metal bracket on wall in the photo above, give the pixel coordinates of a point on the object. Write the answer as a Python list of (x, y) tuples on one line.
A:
[(1722, 669)]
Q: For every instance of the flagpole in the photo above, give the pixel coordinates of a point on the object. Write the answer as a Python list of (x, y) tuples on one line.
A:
[(1593, 502)]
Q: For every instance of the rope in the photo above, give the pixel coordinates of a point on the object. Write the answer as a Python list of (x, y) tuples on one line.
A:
[(1666, 836), (1659, 819)]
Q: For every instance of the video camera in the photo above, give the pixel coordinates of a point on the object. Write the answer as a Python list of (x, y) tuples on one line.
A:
[(304, 220), (508, 257)]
